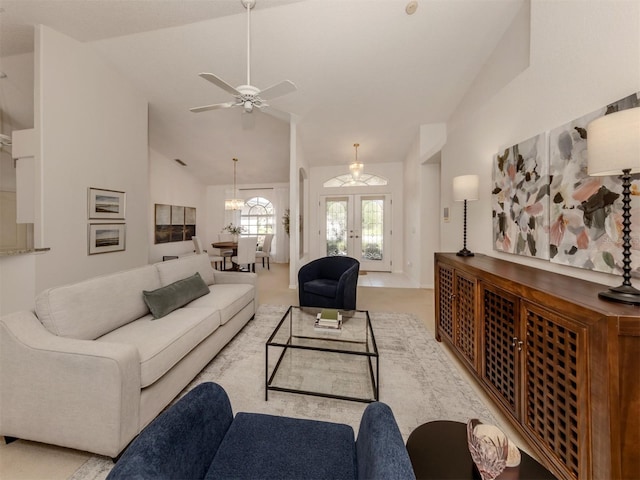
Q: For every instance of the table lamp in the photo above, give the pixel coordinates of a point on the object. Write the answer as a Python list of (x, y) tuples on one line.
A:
[(613, 148), (465, 187)]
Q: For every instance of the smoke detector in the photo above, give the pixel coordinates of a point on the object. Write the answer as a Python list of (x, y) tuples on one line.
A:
[(411, 7)]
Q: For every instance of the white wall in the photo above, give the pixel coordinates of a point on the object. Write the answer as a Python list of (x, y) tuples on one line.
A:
[(583, 55), (92, 129), (421, 194), (173, 184), (17, 283), (297, 163), (430, 219), (413, 213)]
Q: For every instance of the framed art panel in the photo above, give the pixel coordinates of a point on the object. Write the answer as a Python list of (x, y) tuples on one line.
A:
[(586, 212), (106, 237), (177, 223), (106, 204), (520, 199), (163, 223), (189, 223)]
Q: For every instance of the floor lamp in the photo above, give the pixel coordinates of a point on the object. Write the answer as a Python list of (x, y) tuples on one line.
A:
[(613, 147), (465, 187)]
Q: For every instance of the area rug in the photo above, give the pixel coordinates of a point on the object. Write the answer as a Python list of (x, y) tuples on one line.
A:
[(417, 380)]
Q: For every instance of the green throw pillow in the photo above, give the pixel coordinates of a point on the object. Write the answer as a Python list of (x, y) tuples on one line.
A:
[(165, 300)]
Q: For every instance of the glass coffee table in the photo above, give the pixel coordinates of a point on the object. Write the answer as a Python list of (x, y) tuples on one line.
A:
[(342, 364)]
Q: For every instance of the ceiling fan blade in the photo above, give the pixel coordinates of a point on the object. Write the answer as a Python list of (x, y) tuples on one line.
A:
[(220, 83), (278, 90), (279, 114), (212, 107)]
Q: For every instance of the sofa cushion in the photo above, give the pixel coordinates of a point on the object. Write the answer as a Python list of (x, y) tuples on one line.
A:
[(91, 308), (324, 287), (271, 447), (229, 299), (163, 342), (183, 267), (165, 300)]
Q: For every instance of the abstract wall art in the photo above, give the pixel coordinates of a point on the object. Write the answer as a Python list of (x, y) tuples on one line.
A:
[(520, 199), (586, 212)]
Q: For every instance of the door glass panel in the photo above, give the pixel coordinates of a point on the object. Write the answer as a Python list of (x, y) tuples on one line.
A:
[(372, 228), (337, 227)]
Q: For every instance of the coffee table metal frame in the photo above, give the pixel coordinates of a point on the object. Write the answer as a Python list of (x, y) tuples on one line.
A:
[(326, 344)]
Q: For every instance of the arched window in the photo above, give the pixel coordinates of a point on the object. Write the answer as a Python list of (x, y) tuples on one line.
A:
[(257, 218), (365, 180)]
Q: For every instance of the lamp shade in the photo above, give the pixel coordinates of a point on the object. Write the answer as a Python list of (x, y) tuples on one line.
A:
[(465, 187), (613, 143)]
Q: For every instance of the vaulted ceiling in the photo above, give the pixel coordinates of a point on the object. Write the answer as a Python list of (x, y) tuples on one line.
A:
[(366, 71)]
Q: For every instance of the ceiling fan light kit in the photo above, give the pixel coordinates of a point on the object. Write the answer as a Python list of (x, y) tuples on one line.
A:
[(246, 96)]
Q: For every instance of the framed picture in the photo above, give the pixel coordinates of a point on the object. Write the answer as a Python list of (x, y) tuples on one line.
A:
[(106, 204), (189, 223), (520, 199), (163, 223), (177, 223), (587, 212), (106, 237)]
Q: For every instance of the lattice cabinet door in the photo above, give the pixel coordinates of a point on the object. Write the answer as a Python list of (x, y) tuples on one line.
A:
[(501, 346), (555, 386), (465, 329), (445, 296)]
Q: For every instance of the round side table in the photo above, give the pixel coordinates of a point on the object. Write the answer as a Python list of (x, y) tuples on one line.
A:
[(439, 450)]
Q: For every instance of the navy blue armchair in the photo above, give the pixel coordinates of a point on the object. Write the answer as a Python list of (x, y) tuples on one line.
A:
[(329, 282), (199, 438)]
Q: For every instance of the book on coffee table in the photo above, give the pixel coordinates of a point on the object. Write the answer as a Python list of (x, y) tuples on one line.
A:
[(329, 319), (329, 314)]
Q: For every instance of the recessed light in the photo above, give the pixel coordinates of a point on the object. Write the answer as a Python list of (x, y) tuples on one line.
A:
[(411, 7)]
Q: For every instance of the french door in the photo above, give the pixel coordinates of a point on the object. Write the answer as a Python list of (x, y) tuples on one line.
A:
[(358, 226)]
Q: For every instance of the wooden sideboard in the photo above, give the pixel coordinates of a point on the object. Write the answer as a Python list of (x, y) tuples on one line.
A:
[(563, 365)]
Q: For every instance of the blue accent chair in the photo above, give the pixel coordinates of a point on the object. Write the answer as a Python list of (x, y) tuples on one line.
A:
[(199, 438), (329, 282)]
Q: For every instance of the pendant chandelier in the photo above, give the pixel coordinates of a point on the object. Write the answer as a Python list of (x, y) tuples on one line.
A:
[(234, 203), (356, 167)]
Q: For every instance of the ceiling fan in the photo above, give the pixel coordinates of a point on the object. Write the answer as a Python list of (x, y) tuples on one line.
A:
[(246, 96)]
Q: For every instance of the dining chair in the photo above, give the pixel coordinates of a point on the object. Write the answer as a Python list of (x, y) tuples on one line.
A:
[(266, 250), (216, 260), (226, 253), (246, 253)]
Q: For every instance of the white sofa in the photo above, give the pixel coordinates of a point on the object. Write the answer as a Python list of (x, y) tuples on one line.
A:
[(91, 367)]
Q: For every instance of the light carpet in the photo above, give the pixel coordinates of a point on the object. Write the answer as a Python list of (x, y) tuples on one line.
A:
[(417, 380)]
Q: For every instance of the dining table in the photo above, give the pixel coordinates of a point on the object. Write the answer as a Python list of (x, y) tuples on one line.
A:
[(226, 246), (233, 246)]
